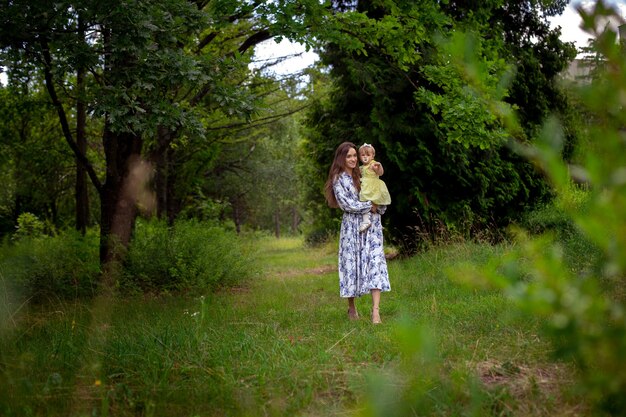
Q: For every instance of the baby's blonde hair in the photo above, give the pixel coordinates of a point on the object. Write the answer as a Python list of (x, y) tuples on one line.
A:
[(367, 145)]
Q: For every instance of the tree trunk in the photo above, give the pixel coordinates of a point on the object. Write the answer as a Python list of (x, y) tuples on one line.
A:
[(174, 204), (277, 223), (168, 204), (160, 157), (53, 212), (118, 208), (118, 201), (236, 216), (81, 193), (295, 220)]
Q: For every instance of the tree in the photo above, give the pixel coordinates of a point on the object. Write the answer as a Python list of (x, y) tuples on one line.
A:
[(128, 76), (250, 169), (151, 71), (276, 193), (443, 149), (592, 62)]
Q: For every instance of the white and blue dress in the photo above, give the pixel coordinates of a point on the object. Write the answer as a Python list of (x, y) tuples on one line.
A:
[(362, 263)]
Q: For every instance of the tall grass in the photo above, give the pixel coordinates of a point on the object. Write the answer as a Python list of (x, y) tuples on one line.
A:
[(282, 345), (191, 256), (465, 350)]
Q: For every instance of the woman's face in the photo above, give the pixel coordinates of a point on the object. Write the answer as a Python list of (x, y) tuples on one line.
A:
[(351, 159)]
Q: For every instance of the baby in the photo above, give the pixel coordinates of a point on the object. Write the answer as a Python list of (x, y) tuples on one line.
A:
[(372, 187)]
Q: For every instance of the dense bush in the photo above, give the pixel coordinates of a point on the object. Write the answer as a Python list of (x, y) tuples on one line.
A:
[(190, 256), (318, 237), (579, 252), (62, 266)]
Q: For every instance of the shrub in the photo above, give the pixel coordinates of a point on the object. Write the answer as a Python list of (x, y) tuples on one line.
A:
[(28, 225), (578, 250), (63, 266), (190, 256), (318, 237)]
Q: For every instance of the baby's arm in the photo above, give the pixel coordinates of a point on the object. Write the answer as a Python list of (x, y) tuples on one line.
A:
[(377, 167)]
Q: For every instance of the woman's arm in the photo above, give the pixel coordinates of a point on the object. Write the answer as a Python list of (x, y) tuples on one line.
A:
[(346, 198)]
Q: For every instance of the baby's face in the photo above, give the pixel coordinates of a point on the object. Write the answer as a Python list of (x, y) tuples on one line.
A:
[(365, 156)]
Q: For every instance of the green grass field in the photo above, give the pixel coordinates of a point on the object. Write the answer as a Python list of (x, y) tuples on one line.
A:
[(282, 346)]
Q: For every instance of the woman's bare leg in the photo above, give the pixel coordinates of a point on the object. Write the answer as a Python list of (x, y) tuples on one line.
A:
[(352, 313), (375, 304)]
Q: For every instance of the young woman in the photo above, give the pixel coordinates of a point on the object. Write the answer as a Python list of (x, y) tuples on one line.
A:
[(362, 263)]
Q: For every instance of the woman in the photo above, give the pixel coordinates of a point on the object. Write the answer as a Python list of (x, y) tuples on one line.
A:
[(362, 264)]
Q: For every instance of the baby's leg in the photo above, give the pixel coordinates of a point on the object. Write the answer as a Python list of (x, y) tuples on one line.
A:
[(366, 222)]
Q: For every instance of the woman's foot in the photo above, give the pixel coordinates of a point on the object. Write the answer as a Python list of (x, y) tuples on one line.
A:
[(353, 314), (376, 316)]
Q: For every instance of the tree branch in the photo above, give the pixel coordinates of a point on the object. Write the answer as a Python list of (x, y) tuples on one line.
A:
[(254, 39), (205, 41), (65, 127), (251, 41), (262, 120), (243, 13)]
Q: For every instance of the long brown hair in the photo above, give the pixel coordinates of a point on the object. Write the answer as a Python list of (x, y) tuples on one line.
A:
[(336, 168)]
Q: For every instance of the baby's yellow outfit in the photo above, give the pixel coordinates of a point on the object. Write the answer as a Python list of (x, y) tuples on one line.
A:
[(372, 187)]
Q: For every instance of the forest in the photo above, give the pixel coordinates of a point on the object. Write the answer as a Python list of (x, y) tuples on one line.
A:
[(153, 166)]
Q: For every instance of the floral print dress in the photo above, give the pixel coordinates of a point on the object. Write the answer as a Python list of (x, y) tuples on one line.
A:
[(362, 263)]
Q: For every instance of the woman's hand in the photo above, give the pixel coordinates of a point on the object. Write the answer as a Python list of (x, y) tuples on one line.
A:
[(374, 208)]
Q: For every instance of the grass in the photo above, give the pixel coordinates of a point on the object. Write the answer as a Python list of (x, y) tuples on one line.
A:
[(282, 345)]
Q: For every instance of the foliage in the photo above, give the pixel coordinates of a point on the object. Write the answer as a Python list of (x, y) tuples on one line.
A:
[(582, 309), (251, 174), (276, 197), (579, 252), (40, 267), (163, 80), (35, 167), (189, 257), (592, 62), (443, 149), (28, 225)]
